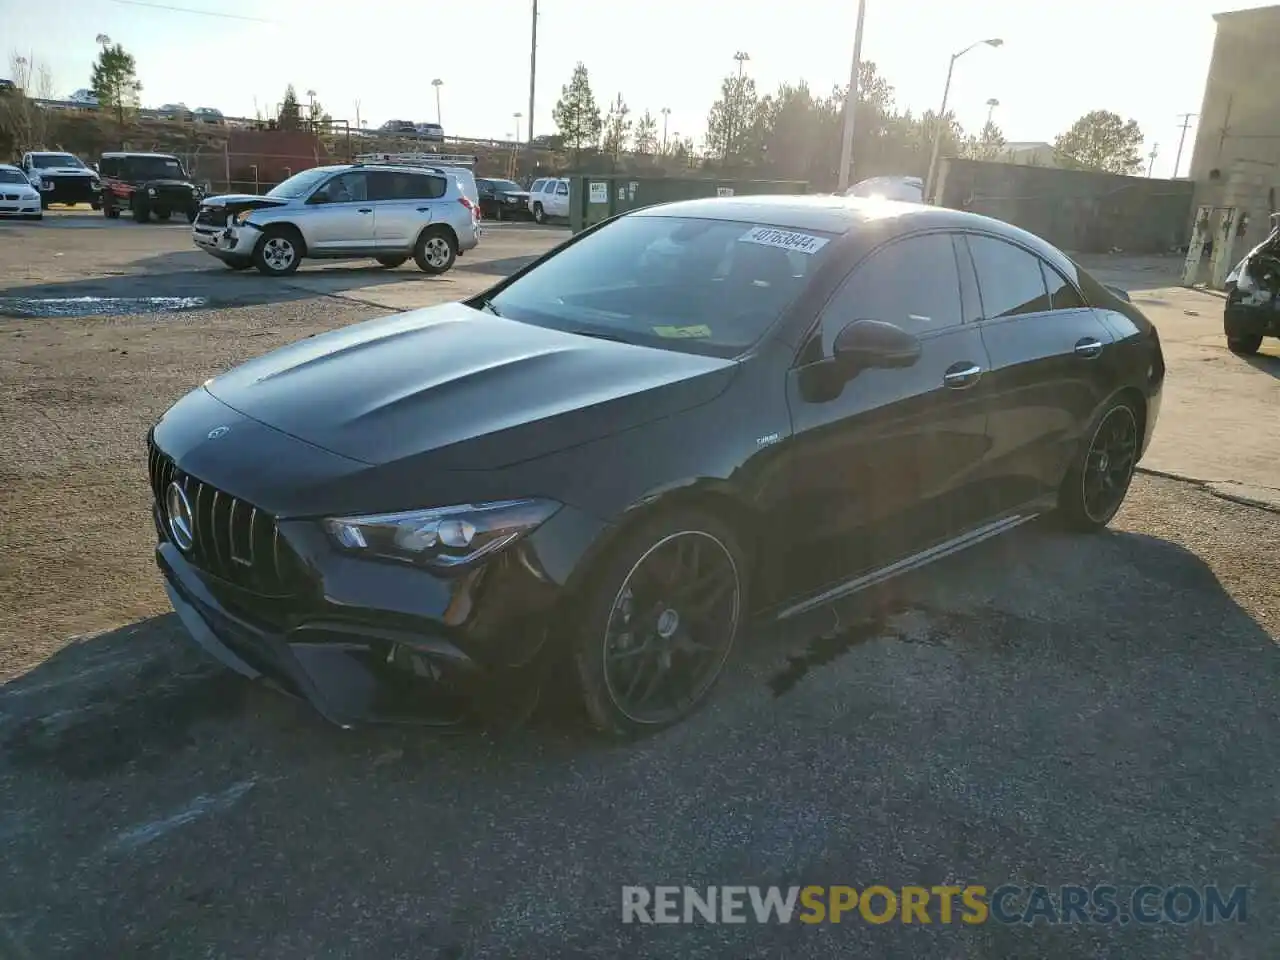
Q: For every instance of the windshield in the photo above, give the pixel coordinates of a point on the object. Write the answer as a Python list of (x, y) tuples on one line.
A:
[(154, 168), (300, 183), (47, 160), (506, 185), (12, 176), (698, 286)]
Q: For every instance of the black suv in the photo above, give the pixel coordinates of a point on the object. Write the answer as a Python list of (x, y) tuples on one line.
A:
[(147, 183)]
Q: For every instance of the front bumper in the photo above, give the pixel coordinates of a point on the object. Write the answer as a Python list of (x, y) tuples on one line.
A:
[(12, 206), (69, 189), (226, 243)]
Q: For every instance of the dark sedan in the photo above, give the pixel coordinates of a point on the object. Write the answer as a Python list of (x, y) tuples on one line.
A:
[(685, 418), (503, 199)]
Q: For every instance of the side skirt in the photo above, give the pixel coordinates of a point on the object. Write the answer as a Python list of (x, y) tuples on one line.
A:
[(906, 564)]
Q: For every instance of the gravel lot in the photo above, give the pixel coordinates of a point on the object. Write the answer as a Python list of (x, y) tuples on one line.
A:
[(1045, 709)]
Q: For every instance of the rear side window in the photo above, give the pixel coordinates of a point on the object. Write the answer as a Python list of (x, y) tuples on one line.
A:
[(912, 283), (562, 189), (405, 186), (108, 166), (1062, 295), (1009, 279)]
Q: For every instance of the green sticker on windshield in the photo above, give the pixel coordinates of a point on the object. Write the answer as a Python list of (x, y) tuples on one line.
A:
[(676, 333)]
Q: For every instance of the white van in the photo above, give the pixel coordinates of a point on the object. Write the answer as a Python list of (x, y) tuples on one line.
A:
[(907, 189)]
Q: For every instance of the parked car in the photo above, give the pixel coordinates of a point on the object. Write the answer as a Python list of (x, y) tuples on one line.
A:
[(147, 184), (209, 115), (684, 417), (904, 189), (8, 86), (85, 97), (174, 111), (549, 199), (18, 198), (400, 127), (345, 211), (61, 178), (1253, 296), (430, 131), (503, 199)]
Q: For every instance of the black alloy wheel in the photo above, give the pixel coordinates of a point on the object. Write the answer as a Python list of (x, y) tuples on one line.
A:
[(661, 626), (1096, 487)]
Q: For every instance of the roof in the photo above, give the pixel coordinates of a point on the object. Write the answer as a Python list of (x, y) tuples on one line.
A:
[(1249, 16), (825, 212), (138, 153)]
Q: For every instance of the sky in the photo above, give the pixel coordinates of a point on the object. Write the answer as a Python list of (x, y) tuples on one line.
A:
[(1143, 59)]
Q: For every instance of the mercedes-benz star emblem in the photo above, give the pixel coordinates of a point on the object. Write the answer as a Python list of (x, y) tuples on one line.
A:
[(178, 510), (217, 432)]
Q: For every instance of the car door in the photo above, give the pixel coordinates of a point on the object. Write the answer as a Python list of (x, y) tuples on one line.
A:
[(402, 206), (339, 216), (886, 468), (560, 203), (1050, 359)]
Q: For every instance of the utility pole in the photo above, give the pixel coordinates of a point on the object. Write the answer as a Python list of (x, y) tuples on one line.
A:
[(1155, 152), (666, 115), (851, 101), (1186, 122), (533, 67)]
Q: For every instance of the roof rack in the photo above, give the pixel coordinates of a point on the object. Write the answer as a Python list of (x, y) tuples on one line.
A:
[(419, 159)]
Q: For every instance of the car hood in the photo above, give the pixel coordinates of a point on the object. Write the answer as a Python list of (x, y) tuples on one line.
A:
[(64, 172), (160, 184), (244, 200), (472, 390), (519, 194)]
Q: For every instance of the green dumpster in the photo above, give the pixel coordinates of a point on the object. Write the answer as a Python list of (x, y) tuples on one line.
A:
[(596, 197)]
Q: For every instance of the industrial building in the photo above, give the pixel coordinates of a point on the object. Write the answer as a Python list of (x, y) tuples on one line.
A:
[(1236, 158)]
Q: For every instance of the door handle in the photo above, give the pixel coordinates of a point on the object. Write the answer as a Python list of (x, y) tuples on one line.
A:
[(1088, 347), (962, 375), (423, 209), (365, 210)]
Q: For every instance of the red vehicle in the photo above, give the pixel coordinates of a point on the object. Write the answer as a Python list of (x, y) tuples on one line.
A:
[(147, 183)]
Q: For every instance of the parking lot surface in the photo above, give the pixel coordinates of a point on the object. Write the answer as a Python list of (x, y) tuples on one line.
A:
[(1045, 709)]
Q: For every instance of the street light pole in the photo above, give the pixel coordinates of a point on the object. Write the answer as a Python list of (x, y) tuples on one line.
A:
[(851, 101), (742, 57), (517, 118), (533, 67), (991, 109), (942, 116), (666, 115), (438, 83), (1186, 122)]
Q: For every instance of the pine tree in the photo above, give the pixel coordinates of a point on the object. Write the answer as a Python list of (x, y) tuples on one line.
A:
[(115, 78), (290, 117), (646, 135), (576, 114), (617, 128)]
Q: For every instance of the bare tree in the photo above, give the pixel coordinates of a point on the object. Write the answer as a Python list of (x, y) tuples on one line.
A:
[(20, 67), (44, 81)]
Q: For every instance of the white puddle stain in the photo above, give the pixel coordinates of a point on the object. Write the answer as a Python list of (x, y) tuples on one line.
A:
[(200, 806), (36, 307)]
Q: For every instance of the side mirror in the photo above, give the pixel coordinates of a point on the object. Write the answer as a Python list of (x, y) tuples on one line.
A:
[(868, 344), (1122, 294)]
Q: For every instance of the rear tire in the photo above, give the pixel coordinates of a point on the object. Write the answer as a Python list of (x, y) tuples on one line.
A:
[(689, 621), (1245, 346), (95, 204), (111, 213), (436, 251), (1097, 482), (391, 262), (278, 252)]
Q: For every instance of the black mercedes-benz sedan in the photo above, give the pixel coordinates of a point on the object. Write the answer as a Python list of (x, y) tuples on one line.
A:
[(684, 420)]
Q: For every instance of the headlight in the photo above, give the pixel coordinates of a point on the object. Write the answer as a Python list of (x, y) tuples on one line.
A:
[(151, 191), (445, 538), (242, 216)]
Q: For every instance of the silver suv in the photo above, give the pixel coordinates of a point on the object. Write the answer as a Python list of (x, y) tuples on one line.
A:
[(387, 212)]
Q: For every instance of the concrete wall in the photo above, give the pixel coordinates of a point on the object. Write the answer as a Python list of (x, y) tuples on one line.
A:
[(1236, 157), (1077, 210)]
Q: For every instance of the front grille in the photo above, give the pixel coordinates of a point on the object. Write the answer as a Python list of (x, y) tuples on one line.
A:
[(8, 196), (232, 539), (211, 218)]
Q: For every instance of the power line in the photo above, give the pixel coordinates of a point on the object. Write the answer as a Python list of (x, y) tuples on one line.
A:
[(201, 13)]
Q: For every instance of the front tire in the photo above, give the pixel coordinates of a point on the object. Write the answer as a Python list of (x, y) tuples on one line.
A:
[(1246, 345), (539, 215), (278, 253), (659, 619), (141, 212), (436, 251), (192, 214), (1096, 484)]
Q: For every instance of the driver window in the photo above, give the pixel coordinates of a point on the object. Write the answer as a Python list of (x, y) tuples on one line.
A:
[(912, 283), (344, 188), (562, 189)]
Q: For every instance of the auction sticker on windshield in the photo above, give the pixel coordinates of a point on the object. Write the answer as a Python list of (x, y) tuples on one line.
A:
[(784, 239), (679, 333)]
